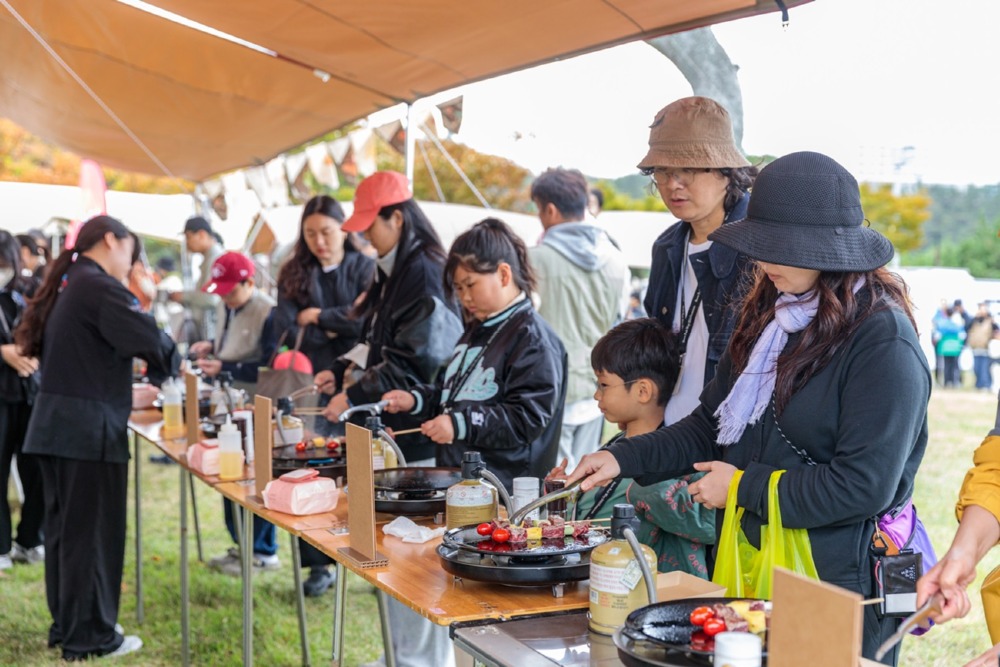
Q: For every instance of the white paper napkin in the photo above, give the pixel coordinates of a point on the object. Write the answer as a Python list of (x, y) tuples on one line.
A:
[(405, 529)]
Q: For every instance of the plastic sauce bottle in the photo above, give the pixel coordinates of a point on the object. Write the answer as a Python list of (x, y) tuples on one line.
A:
[(173, 417), (230, 451), (616, 585), (470, 502)]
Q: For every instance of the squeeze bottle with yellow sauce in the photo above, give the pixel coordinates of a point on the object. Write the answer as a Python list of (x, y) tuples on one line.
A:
[(230, 451), (173, 417)]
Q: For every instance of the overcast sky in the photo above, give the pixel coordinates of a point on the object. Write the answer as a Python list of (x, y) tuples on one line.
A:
[(856, 79)]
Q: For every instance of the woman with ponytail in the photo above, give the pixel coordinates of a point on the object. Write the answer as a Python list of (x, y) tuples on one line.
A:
[(85, 327)]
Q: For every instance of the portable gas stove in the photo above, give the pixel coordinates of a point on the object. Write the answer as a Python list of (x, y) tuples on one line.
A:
[(413, 491)]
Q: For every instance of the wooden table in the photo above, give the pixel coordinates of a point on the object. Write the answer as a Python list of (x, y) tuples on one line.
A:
[(416, 578)]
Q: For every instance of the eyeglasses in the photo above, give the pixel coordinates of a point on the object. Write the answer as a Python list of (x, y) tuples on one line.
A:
[(600, 387), (684, 176)]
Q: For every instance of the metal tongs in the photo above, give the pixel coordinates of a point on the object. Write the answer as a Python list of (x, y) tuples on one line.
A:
[(564, 492), (920, 617)]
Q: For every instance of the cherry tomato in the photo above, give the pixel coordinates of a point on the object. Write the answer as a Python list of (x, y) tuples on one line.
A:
[(701, 614), (714, 626), (501, 535), (484, 528), (300, 446)]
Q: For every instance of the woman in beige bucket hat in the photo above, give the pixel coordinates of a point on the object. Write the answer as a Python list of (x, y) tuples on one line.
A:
[(704, 180)]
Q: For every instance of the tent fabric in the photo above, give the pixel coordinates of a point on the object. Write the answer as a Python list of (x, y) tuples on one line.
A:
[(203, 105)]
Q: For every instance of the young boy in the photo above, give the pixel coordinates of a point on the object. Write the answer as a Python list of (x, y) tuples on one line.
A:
[(636, 364), (244, 342)]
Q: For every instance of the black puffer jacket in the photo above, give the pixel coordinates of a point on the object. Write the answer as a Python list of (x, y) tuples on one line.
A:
[(334, 294), (410, 335), (504, 389), (719, 270)]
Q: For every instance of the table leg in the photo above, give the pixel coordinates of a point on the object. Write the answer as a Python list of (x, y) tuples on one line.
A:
[(140, 610), (185, 600), (338, 615), (197, 526), (300, 600), (383, 613), (247, 556)]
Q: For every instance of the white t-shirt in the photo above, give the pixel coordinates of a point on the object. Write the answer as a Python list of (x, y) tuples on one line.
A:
[(683, 402)]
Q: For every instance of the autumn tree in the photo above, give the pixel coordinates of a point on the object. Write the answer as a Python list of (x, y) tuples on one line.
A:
[(504, 184), (900, 217)]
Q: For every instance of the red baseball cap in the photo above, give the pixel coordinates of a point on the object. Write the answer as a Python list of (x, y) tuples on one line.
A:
[(228, 271), (381, 189)]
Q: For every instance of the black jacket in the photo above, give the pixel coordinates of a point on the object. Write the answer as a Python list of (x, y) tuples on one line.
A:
[(410, 334), (13, 387), (93, 332), (862, 419), (510, 405), (719, 270), (334, 294)]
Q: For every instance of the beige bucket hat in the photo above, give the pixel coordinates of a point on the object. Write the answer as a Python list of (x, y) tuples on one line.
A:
[(692, 132)]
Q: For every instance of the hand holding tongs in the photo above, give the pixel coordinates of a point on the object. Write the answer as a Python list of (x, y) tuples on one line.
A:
[(565, 492), (920, 617)]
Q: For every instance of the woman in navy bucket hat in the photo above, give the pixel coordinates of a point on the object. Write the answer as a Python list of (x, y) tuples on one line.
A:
[(823, 378)]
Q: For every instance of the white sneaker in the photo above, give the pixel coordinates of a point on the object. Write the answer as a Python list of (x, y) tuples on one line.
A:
[(28, 556), (6, 562), (261, 563), (130, 644)]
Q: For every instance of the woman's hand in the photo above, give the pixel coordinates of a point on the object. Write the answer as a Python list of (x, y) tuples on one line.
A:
[(210, 367), (307, 316), (712, 489), (336, 405), (595, 469), (399, 401), (24, 366), (325, 382), (440, 429), (559, 472)]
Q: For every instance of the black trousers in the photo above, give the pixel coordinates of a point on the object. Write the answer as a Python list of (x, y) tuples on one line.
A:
[(85, 510), (13, 425)]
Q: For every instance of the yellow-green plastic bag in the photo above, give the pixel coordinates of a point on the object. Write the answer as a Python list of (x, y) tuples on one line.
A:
[(747, 572)]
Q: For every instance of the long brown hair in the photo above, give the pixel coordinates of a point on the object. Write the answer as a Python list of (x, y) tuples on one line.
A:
[(840, 313), (29, 334), (295, 276)]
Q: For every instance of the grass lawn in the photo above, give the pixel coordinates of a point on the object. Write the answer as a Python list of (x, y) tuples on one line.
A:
[(958, 422)]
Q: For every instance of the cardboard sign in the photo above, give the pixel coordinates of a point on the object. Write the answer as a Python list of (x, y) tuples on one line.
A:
[(263, 440), (191, 408), (813, 623), (361, 500)]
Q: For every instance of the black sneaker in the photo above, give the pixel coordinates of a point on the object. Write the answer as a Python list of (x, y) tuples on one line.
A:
[(161, 459), (318, 581)]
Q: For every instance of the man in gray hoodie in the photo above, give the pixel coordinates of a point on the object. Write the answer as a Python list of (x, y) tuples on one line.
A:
[(583, 282)]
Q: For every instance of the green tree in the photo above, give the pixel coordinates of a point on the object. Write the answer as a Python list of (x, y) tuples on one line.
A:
[(900, 217)]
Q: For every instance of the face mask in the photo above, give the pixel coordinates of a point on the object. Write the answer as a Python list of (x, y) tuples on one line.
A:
[(6, 275)]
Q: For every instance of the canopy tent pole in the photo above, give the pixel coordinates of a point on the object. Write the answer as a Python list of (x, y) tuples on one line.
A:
[(455, 166), (411, 143)]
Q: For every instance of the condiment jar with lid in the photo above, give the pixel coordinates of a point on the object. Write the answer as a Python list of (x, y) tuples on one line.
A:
[(470, 502), (525, 491), (737, 649)]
